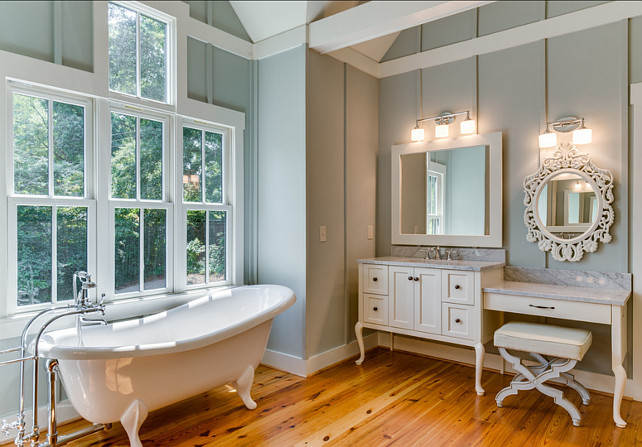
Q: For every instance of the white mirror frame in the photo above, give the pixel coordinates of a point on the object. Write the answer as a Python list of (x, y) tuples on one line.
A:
[(494, 237), (567, 159)]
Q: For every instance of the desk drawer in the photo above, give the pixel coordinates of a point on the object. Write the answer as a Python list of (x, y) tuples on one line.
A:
[(375, 279), (544, 307)]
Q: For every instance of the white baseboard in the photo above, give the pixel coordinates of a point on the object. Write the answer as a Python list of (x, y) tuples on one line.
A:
[(65, 412), (593, 381), (303, 368)]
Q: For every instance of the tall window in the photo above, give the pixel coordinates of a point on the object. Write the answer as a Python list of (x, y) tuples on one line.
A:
[(435, 185), (49, 208), (206, 212), (139, 202), (137, 54)]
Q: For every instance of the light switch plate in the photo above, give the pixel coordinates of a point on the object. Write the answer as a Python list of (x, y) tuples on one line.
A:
[(370, 232), (322, 234)]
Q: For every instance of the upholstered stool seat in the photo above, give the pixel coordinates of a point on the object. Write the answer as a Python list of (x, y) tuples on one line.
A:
[(564, 346)]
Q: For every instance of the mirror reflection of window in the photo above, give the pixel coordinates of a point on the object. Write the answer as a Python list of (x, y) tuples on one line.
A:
[(435, 174)]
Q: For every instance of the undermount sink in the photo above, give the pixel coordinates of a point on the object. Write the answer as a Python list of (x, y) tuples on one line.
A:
[(433, 261)]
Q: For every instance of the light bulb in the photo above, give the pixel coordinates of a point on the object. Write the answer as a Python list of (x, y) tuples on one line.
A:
[(547, 139), (583, 135), (467, 127), (441, 131), (417, 134)]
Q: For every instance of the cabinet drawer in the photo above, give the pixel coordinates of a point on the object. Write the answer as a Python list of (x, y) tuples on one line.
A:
[(375, 309), (375, 279), (458, 287), (545, 307), (458, 321)]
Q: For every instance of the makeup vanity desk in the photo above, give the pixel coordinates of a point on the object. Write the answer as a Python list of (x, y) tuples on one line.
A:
[(594, 305)]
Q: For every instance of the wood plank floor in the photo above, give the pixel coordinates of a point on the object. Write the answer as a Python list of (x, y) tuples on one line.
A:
[(393, 399)]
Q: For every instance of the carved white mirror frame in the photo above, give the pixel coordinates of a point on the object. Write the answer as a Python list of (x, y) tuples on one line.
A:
[(567, 159)]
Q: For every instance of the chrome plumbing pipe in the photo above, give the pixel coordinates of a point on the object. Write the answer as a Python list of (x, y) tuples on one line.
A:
[(52, 432)]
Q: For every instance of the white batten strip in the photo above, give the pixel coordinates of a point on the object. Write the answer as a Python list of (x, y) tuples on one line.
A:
[(557, 26), (357, 60), (281, 42), (375, 19)]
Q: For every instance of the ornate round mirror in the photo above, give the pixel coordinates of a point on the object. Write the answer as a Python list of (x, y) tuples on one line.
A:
[(568, 205)]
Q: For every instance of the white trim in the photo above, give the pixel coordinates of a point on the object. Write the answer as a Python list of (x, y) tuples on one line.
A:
[(358, 61), (304, 368), (220, 39), (376, 19), (636, 239), (557, 26), (280, 43), (595, 381)]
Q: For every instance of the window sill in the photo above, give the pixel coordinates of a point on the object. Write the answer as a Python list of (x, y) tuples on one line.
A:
[(12, 326)]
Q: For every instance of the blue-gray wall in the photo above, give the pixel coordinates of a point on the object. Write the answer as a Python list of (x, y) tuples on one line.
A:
[(585, 73)]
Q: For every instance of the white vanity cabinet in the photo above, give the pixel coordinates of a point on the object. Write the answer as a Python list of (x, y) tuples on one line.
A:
[(427, 299)]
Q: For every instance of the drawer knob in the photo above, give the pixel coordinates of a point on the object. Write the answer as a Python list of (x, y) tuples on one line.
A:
[(375, 309), (457, 287), (416, 278), (375, 279), (541, 307), (458, 320), (410, 278)]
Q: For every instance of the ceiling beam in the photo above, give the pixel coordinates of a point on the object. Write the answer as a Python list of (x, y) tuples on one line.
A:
[(379, 18)]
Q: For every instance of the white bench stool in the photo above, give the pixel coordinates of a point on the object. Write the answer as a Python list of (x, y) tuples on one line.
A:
[(565, 347)]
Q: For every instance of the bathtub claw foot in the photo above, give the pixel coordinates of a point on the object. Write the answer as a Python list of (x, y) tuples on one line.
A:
[(132, 419), (243, 386)]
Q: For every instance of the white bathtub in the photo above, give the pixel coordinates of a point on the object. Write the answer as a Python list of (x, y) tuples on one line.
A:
[(123, 370)]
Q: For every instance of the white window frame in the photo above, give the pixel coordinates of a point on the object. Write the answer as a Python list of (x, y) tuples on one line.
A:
[(437, 170), (14, 200), (170, 51), (227, 205), (167, 203)]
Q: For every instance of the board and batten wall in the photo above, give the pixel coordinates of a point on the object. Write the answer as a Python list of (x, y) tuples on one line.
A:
[(515, 91)]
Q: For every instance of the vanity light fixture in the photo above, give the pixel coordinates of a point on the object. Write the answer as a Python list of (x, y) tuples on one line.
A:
[(581, 133), (442, 127)]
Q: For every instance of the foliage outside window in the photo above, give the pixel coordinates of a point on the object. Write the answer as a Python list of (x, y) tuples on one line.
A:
[(137, 173), (48, 181), (206, 234), (137, 54)]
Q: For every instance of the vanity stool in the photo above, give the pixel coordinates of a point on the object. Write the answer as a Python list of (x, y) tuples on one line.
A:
[(565, 347)]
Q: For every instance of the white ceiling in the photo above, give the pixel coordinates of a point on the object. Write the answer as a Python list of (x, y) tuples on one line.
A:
[(369, 27)]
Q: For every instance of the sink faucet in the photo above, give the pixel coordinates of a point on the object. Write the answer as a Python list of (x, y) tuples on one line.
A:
[(426, 252), (437, 253)]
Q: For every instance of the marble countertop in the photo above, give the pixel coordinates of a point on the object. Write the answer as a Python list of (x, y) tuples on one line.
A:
[(476, 266), (617, 297)]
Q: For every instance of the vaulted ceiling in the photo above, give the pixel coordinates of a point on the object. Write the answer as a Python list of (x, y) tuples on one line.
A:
[(367, 27)]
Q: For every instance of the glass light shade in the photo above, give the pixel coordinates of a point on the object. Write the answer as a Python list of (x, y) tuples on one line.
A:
[(547, 139), (441, 131), (417, 134), (467, 127), (583, 135)]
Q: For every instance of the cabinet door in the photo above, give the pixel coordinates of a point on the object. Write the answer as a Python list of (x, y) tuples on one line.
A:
[(428, 300), (402, 286)]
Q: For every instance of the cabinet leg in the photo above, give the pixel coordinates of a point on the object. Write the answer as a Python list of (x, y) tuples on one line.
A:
[(479, 363), (358, 330), (620, 381)]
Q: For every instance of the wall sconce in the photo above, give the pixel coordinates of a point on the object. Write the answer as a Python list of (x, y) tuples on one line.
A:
[(581, 133), (443, 122)]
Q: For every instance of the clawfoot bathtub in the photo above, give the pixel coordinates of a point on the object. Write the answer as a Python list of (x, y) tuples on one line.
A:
[(121, 371)]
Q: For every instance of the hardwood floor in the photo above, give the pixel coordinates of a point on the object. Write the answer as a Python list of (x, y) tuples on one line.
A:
[(393, 399)]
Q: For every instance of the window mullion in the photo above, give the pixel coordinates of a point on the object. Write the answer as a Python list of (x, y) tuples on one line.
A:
[(54, 253), (207, 247), (137, 158), (141, 246), (203, 166), (138, 90), (50, 140)]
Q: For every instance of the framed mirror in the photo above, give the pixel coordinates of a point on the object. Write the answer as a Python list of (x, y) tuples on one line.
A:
[(568, 205), (448, 192)]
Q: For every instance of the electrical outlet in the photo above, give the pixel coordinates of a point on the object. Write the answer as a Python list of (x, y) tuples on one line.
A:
[(322, 233), (370, 232)]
